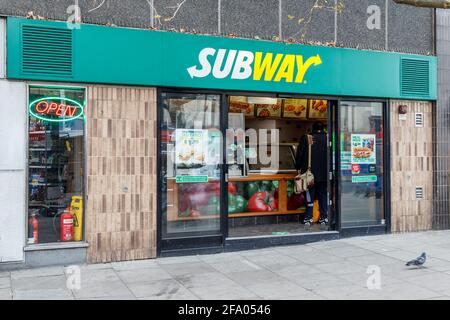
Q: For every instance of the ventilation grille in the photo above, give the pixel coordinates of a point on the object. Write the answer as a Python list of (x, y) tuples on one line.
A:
[(415, 77), (419, 193), (418, 120), (47, 51)]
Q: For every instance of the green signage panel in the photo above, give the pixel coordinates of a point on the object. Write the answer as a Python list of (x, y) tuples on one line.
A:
[(364, 179), (192, 179), (127, 56)]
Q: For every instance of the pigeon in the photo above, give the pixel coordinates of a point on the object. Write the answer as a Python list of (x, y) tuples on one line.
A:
[(418, 262)]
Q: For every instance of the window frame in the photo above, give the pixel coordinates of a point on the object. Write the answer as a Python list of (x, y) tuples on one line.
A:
[(62, 86)]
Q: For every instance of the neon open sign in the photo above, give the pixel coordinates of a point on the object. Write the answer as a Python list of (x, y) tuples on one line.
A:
[(56, 109)]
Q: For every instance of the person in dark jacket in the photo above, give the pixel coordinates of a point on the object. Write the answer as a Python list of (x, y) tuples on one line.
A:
[(319, 169)]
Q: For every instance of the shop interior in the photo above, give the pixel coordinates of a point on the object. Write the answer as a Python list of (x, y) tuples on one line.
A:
[(261, 197)]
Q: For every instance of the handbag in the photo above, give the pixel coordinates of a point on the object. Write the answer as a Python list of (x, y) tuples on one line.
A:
[(305, 181)]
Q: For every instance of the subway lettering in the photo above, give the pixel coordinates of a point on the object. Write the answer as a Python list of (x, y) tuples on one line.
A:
[(260, 66)]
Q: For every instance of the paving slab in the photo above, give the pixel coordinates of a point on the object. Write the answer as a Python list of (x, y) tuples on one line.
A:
[(273, 260), (99, 275), (179, 269), (5, 283), (132, 265), (278, 290), (351, 292), (102, 289), (143, 275), (346, 251), (316, 258), (5, 294), (248, 278), (57, 282), (124, 297), (341, 267), (436, 281), (218, 257), (408, 292), (224, 292), (375, 259), (179, 260), (43, 294), (100, 283), (327, 244), (319, 281), (38, 272), (204, 280), (296, 271), (294, 251), (92, 267), (242, 264), (324, 270), (360, 279), (160, 290)]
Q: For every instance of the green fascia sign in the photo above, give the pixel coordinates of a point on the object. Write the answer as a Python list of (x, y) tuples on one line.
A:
[(125, 56)]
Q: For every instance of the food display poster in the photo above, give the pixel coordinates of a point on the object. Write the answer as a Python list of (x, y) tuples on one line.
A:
[(269, 110), (240, 105), (295, 108), (191, 147), (318, 109), (363, 149)]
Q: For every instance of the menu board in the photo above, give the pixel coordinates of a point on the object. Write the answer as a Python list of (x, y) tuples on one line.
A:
[(295, 108), (191, 149), (318, 109), (363, 149), (240, 105), (268, 110)]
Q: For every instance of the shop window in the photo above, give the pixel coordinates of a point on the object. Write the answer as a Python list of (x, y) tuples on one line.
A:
[(55, 164), (191, 158)]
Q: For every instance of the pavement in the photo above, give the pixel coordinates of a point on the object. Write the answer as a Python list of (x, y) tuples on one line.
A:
[(362, 268)]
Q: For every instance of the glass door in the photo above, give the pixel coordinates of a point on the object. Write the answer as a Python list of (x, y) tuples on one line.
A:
[(361, 177), (191, 176)]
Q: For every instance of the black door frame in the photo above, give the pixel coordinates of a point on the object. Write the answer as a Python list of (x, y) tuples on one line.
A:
[(194, 240), (373, 229), (216, 242)]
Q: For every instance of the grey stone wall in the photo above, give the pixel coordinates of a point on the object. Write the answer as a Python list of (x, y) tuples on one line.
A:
[(399, 28)]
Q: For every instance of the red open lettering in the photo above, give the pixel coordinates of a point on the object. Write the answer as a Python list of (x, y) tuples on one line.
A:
[(42, 107), (58, 109)]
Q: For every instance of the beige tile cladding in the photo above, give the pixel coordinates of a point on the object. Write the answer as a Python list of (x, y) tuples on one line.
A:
[(411, 166), (121, 203)]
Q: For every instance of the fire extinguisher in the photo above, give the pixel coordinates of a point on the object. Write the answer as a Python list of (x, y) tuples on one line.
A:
[(33, 230), (66, 226)]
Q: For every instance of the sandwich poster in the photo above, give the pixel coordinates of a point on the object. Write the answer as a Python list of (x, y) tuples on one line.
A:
[(363, 149), (191, 147)]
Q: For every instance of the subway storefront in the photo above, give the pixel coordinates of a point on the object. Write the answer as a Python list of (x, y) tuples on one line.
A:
[(160, 143)]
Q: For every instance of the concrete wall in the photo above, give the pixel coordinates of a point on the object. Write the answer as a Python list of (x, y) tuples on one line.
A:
[(393, 27), (13, 119), (12, 162)]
